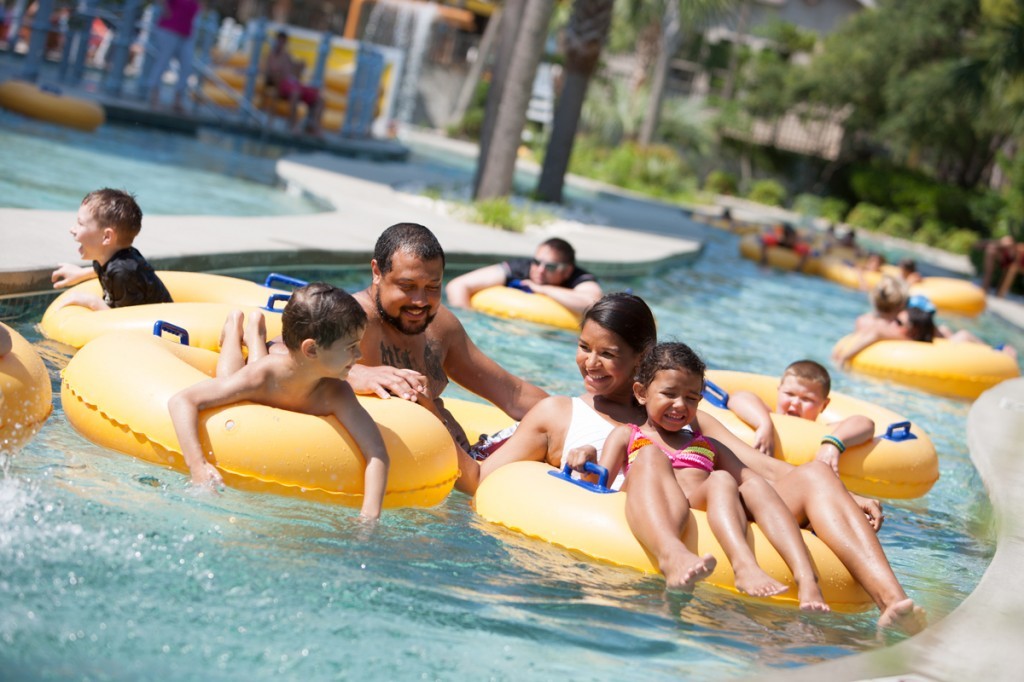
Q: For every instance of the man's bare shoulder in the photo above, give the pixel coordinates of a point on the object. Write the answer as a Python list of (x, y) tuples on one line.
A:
[(446, 332)]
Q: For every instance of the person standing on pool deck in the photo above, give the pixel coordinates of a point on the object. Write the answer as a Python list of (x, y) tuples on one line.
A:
[(414, 345), (172, 38), (108, 222), (552, 271)]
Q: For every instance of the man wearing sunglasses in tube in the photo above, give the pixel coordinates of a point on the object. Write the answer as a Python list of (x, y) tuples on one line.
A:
[(552, 271)]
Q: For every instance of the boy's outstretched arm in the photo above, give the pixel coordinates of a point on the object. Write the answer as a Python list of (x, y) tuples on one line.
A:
[(754, 412), (854, 430), (68, 274), (367, 436), (185, 406)]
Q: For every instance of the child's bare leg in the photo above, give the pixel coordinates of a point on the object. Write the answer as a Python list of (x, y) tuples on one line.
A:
[(657, 512), (255, 336), (728, 522), (779, 526), (812, 491), (231, 359)]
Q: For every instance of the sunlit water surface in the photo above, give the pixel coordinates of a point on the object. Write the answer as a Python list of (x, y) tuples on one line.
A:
[(114, 569), (48, 167)]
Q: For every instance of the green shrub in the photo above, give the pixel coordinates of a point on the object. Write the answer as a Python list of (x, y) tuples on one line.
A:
[(720, 182), (898, 225), (866, 215), (770, 192), (657, 170), (959, 240), (807, 204), (498, 213), (833, 208), (932, 232)]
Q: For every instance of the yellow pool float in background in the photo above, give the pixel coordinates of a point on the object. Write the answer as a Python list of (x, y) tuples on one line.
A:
[(777, 256), (28, 99), (946, 368), (201, 304), (949, 294), (516, 304)]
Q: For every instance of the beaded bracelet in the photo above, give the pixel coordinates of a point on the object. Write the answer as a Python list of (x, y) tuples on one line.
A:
[(832, 440)]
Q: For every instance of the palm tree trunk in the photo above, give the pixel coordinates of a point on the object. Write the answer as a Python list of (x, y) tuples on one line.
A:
[(734, 53), (496, 165), (671, 38), (585, 37), (512, 16)]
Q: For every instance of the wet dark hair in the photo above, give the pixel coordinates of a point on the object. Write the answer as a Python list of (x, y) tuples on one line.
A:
[(908, 265), (626, 315), (321, 312), (115, 208), (408, 237), (666, 356), (563, 249), (920, 325)]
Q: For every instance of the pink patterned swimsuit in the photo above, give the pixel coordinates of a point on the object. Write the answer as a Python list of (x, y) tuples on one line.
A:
[(699, 454)]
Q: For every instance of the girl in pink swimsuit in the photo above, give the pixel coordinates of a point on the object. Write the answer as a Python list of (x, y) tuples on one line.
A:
[(668, 385)]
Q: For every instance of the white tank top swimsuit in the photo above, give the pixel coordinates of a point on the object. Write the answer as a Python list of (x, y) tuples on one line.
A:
[(587, 427)]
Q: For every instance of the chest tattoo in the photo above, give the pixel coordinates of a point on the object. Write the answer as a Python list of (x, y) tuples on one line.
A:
[(434, 364), (396, 357)]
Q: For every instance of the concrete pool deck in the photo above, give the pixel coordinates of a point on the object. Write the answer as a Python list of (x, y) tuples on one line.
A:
[(622, 235), (980, 637)]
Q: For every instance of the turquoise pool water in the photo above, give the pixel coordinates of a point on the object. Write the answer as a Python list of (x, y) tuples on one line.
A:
[(49, 167), (114, 569)]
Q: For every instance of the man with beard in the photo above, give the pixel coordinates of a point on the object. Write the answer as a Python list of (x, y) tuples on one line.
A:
[(413, 345)]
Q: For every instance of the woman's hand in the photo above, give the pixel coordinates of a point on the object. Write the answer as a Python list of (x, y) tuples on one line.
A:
[(578, 457), (829, 454), (764, 438), (872, 510)]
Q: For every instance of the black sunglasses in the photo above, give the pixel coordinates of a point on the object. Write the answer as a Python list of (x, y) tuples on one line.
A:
[(550, 267)]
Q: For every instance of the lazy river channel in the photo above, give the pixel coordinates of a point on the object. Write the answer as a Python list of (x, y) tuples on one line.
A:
[(114, 569)]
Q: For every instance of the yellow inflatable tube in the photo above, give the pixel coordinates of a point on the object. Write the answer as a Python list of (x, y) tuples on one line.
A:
[(26, 398), (29, 100), (115, 392), (949, 294), (946, 368), (899, 462), (526, 498), (778, 257), (516, 304), (201, 304)]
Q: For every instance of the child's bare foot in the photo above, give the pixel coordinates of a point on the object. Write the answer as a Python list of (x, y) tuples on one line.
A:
[(232, 330), (754, 581), (683, 573), (905, 616), (810, 596)]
